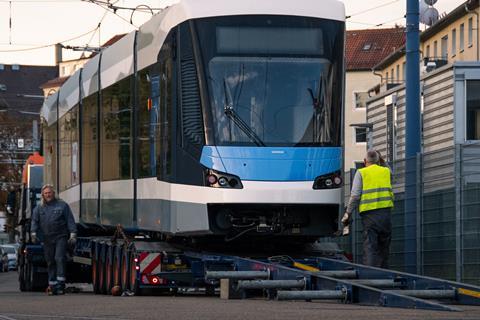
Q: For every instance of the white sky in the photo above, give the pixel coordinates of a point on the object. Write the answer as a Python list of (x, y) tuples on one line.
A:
[(43, 22)]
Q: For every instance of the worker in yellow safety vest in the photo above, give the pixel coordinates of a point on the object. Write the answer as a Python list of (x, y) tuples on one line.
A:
[(372, 194)]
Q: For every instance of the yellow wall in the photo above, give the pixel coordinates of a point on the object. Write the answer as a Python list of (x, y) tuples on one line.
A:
[(469, 52)]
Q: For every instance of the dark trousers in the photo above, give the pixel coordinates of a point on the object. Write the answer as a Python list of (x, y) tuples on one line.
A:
[(55, 248), (377, 235)]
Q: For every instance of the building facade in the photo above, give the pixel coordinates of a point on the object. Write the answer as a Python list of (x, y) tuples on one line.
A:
[(364, 50)]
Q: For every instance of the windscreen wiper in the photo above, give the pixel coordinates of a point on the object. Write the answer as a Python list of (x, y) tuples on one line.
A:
[(232, 114)]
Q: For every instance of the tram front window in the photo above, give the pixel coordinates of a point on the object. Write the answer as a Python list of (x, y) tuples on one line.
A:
[(273, 80)]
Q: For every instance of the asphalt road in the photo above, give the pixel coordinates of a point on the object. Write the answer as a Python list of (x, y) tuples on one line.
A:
[(36, 305)]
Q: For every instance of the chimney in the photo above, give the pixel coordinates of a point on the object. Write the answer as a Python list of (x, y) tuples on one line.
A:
[(58, 53)]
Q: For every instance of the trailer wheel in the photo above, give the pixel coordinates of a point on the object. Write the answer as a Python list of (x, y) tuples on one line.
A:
[(101, 270), (95, 269), (108, 270), (117, 260), (125, 271)]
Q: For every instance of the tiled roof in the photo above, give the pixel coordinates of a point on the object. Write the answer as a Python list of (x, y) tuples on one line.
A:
[(366, 48)]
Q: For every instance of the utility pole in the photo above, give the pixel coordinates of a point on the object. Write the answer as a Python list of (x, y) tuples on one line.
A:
[(412, 135)]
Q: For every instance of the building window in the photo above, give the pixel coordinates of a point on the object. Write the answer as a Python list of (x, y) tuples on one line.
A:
[(427, 52), (454, 41), (360, 135), (473, 110), (470, 31), (435, 49), (2, 67), (386, 77), (367, 46), (393, 75), (361, 100), (462, 37), (398, 73), (15, 67), (444, 47), (404, 70)]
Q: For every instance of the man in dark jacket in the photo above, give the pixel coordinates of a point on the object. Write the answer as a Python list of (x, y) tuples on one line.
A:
[(54, 219)]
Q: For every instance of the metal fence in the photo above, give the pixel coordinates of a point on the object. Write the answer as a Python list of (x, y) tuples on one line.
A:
[(447, 229)]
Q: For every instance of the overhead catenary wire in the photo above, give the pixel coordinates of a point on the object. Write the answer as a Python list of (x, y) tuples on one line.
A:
[(385, 23), (114, 7), (371, 9), (93, 34), (111, 10), (37, 1), (66, 40), (49, 45)]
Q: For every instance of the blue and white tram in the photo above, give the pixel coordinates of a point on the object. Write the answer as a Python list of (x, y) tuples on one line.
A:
[(216, 117)]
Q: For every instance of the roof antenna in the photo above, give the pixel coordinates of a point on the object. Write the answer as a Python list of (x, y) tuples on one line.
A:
[(428, 14)]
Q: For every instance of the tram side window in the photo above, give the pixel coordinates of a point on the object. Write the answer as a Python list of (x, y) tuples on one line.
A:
[(50, 146), (116, 131), (148, 121), (155, 115), (74, 134), (89, 139), (165, 58), (69, 149), (65, 152)]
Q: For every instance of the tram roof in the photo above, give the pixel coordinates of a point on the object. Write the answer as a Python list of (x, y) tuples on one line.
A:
[(117, 61)]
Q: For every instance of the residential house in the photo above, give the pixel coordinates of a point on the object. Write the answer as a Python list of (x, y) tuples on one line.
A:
[(364, 50)]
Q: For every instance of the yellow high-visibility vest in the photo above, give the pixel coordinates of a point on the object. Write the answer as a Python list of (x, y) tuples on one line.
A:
[(377, 188)]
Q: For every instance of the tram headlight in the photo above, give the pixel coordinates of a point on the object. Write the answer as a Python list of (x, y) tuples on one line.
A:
[(216, 179), (328, 181), (222, 181)]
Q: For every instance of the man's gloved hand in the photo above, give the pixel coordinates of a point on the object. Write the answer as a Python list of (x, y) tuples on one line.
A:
[(346, 219), (33, 237), (73, 239)]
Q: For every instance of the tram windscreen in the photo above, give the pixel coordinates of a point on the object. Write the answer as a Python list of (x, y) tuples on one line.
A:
[(273, 80)]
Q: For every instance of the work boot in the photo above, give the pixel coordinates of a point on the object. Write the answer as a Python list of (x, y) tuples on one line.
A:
[(60, 288), (51, 290)]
